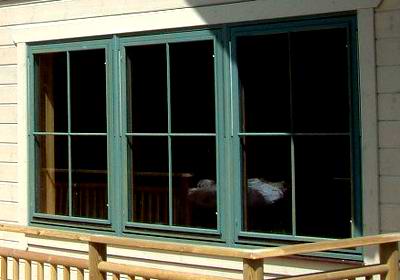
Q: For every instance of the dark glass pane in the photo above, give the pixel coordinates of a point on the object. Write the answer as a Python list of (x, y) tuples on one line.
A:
[(51, 92), (263, 69), (267, 184), (194, 182), (192, 87), (320, 81), (148, 179), (323, 186), (147, 88), (52, 174), (89, 176), (88, 91)]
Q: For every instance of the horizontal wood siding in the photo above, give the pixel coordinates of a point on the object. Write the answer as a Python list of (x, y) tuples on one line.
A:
[(388, 77)]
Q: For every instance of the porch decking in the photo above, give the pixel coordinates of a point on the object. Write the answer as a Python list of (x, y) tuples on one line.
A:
[(253, 259)]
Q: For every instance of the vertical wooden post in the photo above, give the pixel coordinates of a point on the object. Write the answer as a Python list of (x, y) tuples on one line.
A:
[(66, 274), (80, 274), (253, 269), (28, 274), (389, 254), (15, 263), (97, 253), (53, 272), (40, 271), (3, 263)]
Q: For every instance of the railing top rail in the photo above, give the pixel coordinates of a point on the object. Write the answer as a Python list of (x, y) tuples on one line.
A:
[(204, 249)]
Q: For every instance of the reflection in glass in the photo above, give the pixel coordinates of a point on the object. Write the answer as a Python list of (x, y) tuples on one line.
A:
[(266, 193), (51, 92), (148, 179), (89, 176), (147, 88), (323, 186), (263, 69), (88, 91), (194, 182), (192, 87), (320, 81), (52, 174)]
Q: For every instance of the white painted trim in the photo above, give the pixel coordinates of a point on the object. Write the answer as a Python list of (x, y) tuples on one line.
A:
[(369, 127), (181, 18), (22, 133)]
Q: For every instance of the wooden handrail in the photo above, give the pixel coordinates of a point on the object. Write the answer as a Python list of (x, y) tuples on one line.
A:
[(343, 273), (44, 258), (154, 272), (205, 249), (253, 259)]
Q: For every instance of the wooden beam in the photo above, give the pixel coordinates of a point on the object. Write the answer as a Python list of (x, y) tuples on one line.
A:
[(253, 269), (389, 254), (53, 272), (97, 254)]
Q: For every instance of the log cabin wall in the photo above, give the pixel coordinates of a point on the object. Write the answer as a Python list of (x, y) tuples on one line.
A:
[(63, 19)]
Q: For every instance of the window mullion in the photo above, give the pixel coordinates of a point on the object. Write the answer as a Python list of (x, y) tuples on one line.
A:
[(69, 135), (292, 146), (169, 136)]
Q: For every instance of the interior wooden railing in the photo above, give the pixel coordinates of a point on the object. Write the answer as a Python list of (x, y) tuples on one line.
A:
[(253, 259)]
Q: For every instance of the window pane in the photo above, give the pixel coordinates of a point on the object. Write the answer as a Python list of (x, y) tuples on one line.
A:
[(88, 91), (323, 186), (194, 182), (89, 176), (267, 184), (320, 81), (263, 69), (148, 179), (147, 88), (192, 87), (52, 174), (51, 92)]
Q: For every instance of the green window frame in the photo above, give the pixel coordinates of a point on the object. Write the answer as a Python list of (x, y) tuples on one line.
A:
[(227, 134)]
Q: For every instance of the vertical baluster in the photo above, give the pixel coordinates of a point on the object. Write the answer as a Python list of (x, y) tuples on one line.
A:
[(40, 271), (115, 276), (15, 264), (80, 274), (66, 274), (53, 272), (28, 270), (3, 263), (129, 277)]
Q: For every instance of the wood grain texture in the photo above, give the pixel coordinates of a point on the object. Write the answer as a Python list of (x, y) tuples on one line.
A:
[(253, 269), (97, 254)]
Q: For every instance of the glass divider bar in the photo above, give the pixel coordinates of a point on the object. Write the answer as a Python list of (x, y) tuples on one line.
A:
[(69, 136), (170, 201)]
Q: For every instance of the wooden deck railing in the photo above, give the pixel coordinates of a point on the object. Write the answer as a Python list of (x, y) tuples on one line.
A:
[(253, 259)]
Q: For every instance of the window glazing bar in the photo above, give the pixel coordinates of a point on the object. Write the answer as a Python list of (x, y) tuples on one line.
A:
[(169, 136), (69, 136)]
